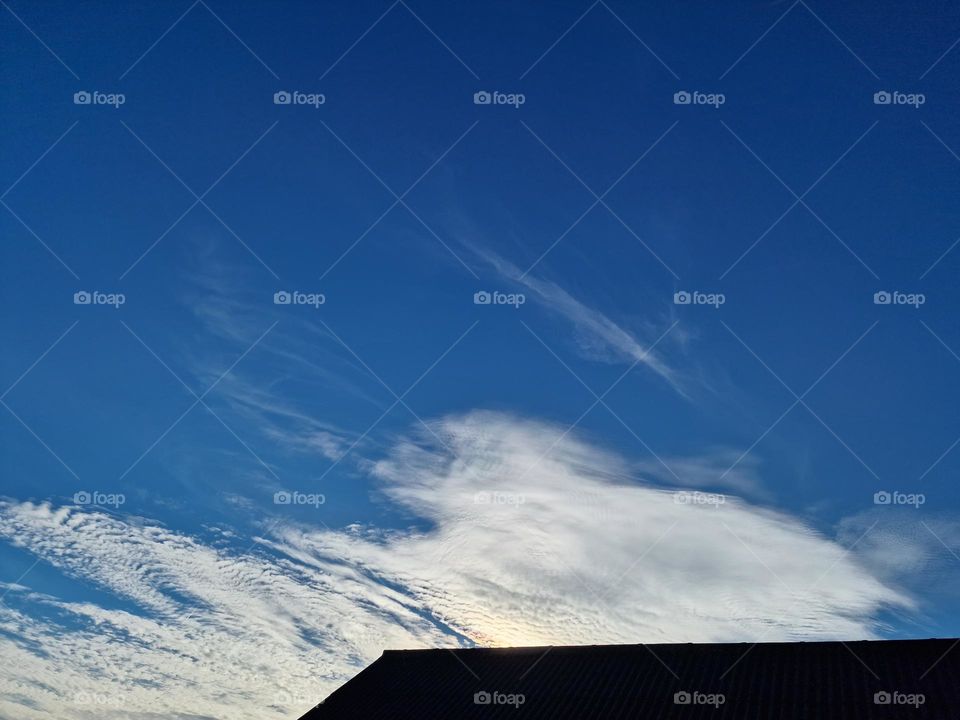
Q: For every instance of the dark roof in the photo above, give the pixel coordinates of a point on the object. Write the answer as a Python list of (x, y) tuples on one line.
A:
[(767, 681)]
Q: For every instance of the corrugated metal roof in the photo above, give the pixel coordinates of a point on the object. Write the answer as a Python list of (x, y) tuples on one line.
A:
[(767, 681)]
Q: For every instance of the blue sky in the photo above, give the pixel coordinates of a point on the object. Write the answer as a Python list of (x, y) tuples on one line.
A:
[(461, 472)]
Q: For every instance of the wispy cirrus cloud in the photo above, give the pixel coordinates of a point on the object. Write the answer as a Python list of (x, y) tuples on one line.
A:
[(299, 357), (598, 336), (717, 468)]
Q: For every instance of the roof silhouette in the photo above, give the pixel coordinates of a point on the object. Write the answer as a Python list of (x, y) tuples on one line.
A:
[(782, 681)]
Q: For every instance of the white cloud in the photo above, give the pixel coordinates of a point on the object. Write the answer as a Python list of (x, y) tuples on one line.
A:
[(564, 547), (598, 335), (297, 356), (720, 468), (901, 543), (590, 556), (208, 633)]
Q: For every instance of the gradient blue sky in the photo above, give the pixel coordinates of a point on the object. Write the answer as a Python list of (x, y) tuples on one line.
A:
[(399, 399)]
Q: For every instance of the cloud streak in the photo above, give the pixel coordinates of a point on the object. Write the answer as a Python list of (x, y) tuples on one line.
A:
[(598, 335)]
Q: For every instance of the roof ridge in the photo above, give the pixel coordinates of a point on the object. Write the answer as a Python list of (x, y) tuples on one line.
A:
[(615, 646)]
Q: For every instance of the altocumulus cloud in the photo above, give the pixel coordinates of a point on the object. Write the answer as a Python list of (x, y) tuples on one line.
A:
[(209, 633), (519, 534)]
